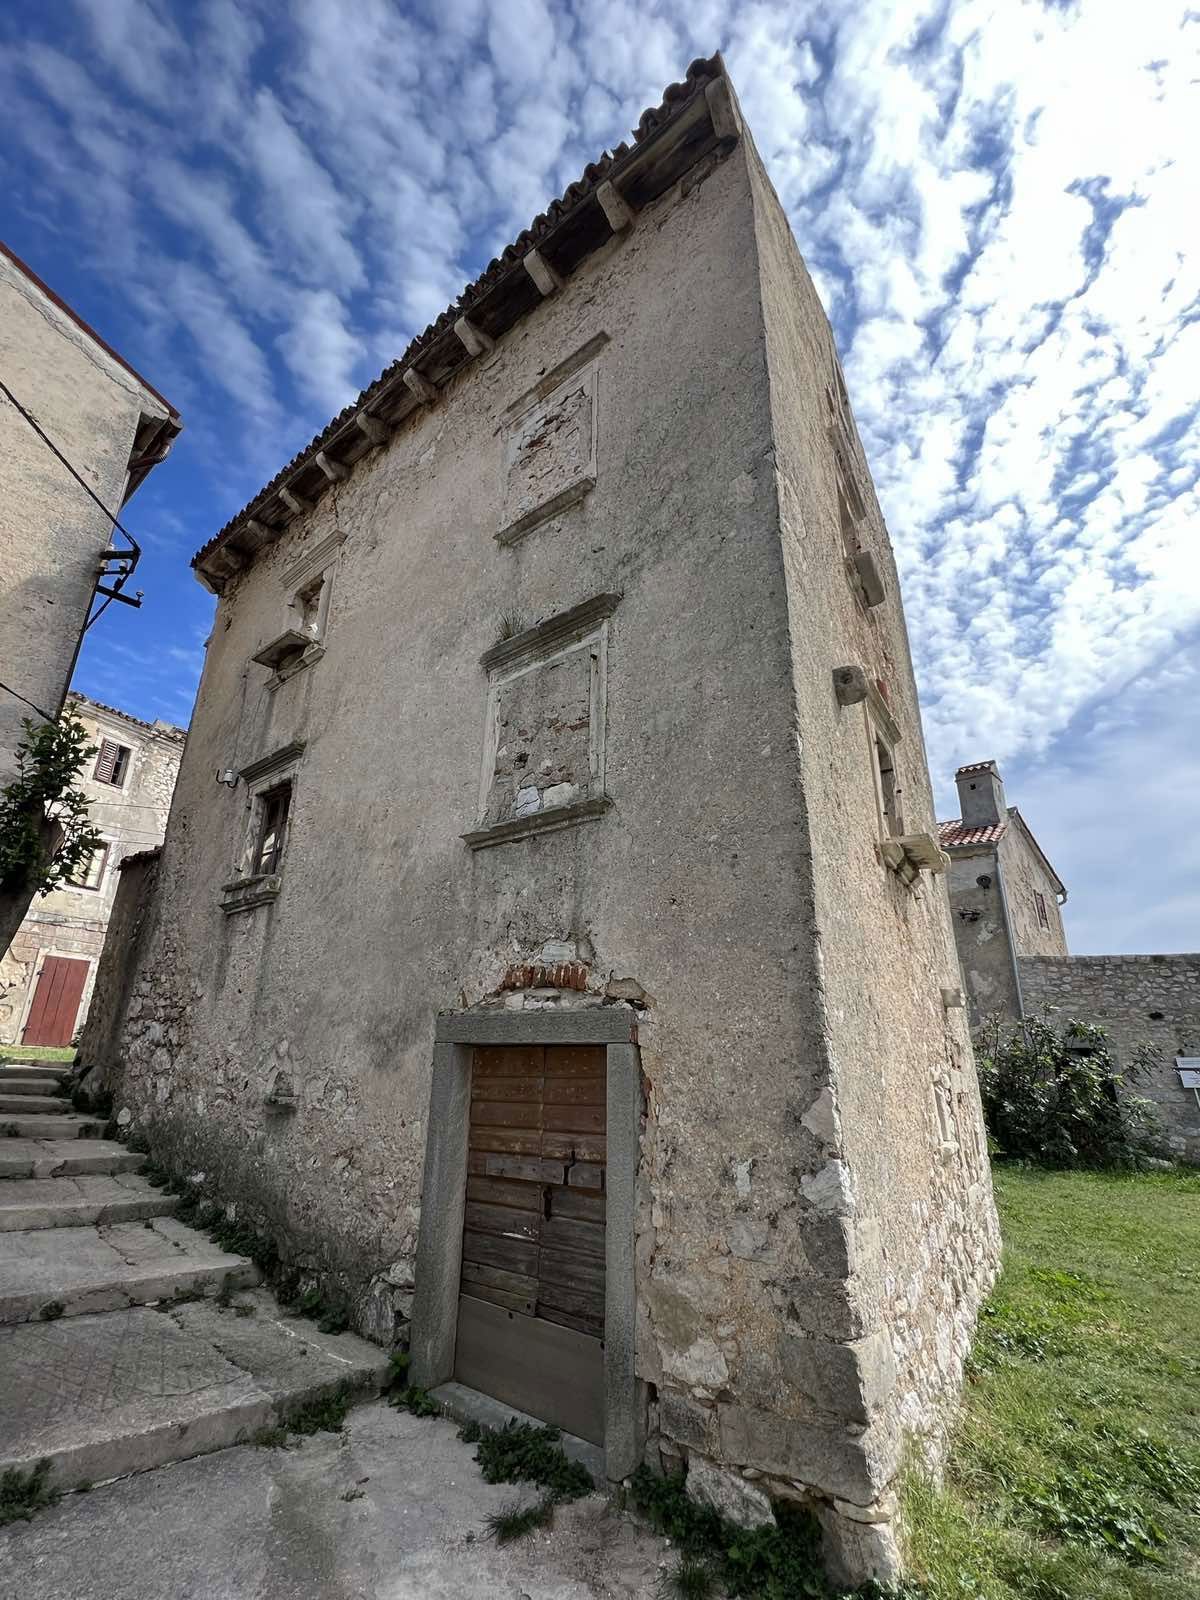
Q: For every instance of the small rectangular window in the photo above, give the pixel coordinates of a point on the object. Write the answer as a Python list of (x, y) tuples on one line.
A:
[(92, 874), (889, 789), (272, 829), (1040, 902), (112, 763)]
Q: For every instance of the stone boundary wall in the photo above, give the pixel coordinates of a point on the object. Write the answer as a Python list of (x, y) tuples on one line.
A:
[(1152, 1000), (99, 1042)]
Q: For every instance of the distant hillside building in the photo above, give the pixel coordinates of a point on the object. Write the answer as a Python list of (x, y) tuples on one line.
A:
[(113, 429), (550, 949), (46, 975), (1012, 946)]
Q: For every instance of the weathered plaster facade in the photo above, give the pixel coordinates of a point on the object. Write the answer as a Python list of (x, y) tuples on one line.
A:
[(113, 428), (612, 649), (73, 920)]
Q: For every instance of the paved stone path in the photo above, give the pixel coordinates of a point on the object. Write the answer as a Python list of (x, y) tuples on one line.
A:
[(392, 1508), (115, 1356)]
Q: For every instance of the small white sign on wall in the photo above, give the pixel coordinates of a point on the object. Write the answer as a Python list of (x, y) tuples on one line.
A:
[(1188, 1068)]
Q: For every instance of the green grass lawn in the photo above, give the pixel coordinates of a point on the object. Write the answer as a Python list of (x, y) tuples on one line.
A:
[(1075, 1471), (36, 1052)]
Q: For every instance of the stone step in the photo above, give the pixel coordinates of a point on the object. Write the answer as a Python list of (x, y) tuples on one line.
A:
[(41, 1126), (69, 1272), (24, 1086), (29, 1101), (27, 1072), (104, 1396), (89, 1200), (64, 1158)]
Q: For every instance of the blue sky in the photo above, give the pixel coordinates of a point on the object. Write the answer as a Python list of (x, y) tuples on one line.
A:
[(260, 202)]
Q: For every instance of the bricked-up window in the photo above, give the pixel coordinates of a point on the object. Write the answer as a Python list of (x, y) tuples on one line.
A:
[(112, 764), (1040, 902), (92, 875), (272, 828)]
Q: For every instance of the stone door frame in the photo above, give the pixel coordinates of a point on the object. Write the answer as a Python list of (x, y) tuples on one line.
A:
[(444, 1188)]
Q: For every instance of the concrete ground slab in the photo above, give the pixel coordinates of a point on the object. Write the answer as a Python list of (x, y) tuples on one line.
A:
[(50, 1071), (130, 1390), (107, 1268), (65, 1158), (38, 1125), (24, 1102), (393, 1508), (77, 1202)]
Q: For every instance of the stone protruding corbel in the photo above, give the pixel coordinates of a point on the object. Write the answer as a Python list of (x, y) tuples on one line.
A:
[(296, 503), (258, 533), (333, 470), (849, 685), (542, 273), (619, 215), (371, 428), (727, 124), (473, 340), (419, 385)]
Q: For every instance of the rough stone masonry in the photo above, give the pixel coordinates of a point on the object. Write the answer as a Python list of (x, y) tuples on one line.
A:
[(560, 691)]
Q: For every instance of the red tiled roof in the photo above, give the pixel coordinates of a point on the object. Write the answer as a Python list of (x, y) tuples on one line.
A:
[(953, 833)]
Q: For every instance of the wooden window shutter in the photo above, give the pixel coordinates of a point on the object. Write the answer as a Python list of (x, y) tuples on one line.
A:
[(106, 761)]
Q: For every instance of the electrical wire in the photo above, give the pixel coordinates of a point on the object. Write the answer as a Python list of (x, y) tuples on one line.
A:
[(45, 716), (82, 482)]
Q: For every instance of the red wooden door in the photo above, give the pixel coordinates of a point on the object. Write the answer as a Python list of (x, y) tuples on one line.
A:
[(56, 1000)]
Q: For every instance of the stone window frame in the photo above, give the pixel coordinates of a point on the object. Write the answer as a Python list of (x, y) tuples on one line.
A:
[(104, 851), (583, 627), (315, 565), (443, 1199), (248, 889), (584, 361)]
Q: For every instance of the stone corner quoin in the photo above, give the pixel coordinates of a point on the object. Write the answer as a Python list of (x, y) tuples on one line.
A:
[(543, 911)]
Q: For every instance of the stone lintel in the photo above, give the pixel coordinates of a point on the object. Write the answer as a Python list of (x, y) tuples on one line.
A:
[(419, 385), (542, 273), (474, 341), (619, 215), (371, 428), (296, 503), (333, 470)]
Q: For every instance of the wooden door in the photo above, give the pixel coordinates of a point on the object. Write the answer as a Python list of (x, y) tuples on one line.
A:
[(56, 1000), (531, 1301)]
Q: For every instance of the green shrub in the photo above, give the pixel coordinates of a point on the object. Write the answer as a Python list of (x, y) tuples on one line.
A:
[(46, 838), (1059, 1099)]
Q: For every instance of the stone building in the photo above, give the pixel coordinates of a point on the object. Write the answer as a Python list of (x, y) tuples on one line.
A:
[(47, 973), (1012, 945), (112, 428), (549, 944)]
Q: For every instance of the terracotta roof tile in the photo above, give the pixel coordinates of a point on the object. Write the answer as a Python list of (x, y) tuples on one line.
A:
[(953, 833)]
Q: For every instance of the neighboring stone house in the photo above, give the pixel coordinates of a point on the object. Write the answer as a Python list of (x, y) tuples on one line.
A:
[(47, 973), (549, 942), (1012, 946), (112, 428)]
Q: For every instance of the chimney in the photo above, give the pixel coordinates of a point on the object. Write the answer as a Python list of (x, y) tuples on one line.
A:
[(980, 794)]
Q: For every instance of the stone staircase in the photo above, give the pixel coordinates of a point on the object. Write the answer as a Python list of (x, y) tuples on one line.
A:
[(122, 1344)]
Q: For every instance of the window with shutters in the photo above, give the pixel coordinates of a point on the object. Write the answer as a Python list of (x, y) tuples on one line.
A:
[(270, 812), (1039, 902), (112, 764)]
